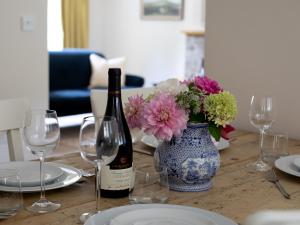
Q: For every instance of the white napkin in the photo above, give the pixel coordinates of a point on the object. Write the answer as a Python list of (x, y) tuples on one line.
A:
[(274, 217)]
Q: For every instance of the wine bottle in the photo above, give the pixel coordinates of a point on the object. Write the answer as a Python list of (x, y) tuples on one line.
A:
[(116, 177)]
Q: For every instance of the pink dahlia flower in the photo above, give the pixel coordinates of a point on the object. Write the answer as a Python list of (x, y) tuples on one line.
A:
[(163, 118), (207, 85), (134, 111)]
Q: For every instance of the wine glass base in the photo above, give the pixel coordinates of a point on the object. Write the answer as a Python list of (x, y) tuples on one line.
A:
[(258, 166), (85, 216), (43, 206)]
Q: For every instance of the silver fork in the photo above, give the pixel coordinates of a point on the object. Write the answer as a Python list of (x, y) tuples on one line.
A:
[(271, 177)]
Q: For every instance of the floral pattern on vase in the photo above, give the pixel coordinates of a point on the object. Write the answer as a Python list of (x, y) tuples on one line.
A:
[(191, 160)]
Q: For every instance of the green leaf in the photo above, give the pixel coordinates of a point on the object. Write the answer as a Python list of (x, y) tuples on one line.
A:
[(214, 131), (197, 118)]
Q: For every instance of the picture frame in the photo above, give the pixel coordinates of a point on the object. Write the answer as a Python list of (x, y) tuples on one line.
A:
[(162, 9)]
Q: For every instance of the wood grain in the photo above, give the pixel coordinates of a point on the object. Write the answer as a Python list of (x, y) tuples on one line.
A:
[(236, 193)]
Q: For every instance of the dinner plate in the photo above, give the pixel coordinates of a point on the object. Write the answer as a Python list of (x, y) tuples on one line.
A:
[(286, 164), (70, 176), (164, 216), (107, 216), (29, 172), (151, 141), (221, 144), (297, 161)]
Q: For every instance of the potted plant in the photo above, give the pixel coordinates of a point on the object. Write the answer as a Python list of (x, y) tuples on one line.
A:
[(184, 116)]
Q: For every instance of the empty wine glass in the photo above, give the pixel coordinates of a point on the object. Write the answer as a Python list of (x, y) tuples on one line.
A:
[(99, 144), (41, 136), (261, 115)]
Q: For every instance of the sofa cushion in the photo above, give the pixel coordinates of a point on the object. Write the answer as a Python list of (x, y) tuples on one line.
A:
[(100, 66), (69, 102)]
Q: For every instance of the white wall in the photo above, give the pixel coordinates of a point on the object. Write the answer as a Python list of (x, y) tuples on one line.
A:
[(252, 47), (153, 49), (23, 55)]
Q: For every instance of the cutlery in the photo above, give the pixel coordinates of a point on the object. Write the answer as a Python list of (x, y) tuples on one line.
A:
[(271, 177)]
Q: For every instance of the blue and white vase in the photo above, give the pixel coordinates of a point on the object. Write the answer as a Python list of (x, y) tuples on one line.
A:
[(191, 160)]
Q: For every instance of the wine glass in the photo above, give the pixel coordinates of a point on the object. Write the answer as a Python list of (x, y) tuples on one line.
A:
[(99, 142), (261, 115), (41, 136)]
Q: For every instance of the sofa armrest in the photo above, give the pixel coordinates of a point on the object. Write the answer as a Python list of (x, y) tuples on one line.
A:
[(134, 80)]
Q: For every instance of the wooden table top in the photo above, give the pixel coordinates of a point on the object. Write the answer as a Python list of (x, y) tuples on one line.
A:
[(236, 193)]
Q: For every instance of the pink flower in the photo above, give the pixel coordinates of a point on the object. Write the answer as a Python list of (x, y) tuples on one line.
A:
[(207, 85), (163, 118), (134, 111)]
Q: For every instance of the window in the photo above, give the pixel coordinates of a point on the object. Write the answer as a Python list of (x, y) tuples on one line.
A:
[(54, 26)]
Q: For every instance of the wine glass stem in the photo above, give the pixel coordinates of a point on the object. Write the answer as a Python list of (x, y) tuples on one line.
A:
[(98, 186), (261, 136), (42, 177)]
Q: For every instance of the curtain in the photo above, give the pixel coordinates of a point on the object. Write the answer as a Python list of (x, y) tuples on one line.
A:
[(75, 23)]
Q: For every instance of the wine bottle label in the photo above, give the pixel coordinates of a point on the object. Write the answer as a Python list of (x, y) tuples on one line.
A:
[(115, 179)]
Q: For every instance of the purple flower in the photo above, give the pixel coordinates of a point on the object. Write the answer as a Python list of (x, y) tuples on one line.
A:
[(208, 86)]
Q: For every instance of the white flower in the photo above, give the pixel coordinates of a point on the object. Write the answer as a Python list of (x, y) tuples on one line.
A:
[(171, 86)]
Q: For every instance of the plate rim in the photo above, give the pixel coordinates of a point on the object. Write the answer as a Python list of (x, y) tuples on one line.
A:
[(287, 159), (110, 213), (31, 163), (51, 186), (153, 145), (121, 216)]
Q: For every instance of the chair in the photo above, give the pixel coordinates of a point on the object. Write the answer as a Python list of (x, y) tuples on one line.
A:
[(12, 113), (274, 217), (99, 98)]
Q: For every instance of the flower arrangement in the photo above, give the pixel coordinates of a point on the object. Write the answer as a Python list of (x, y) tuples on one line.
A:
[(173, 104)]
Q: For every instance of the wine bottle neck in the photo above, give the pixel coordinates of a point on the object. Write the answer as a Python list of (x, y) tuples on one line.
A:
[(114, 82)]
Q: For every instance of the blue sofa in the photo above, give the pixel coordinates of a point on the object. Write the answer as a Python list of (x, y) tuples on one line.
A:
[(69, 73)]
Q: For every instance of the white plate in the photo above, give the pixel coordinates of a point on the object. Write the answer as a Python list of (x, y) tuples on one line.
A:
[(221, 144), (165, 216), (105, 217), (286, 164), (70, 176), (29, 172), (297, 162), (151, 141)]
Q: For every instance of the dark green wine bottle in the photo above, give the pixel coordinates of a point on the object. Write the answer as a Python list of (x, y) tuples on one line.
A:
[(116, 177)]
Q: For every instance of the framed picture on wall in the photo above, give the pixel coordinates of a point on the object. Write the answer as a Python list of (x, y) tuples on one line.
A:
[(162, 9)]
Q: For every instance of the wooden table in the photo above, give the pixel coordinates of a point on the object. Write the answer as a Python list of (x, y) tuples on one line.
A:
[(236, 193)]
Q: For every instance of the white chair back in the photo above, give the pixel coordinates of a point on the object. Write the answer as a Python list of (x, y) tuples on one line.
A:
[(12, 113), (99, 98)]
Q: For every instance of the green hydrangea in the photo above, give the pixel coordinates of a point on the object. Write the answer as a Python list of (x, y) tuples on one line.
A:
[(220, 108)]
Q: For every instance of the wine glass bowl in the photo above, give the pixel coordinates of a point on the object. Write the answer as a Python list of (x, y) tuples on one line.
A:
[(107, 140), (41, 136), (87, 140), (262, 115)]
